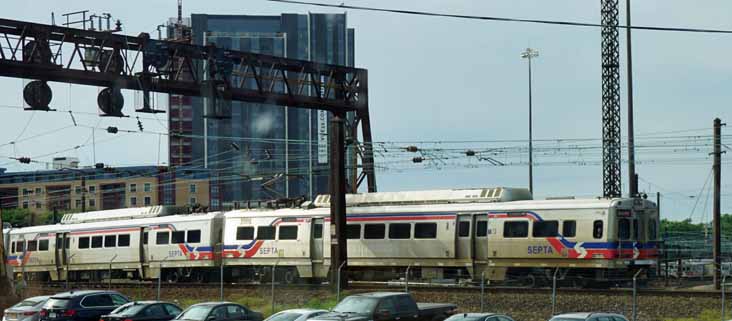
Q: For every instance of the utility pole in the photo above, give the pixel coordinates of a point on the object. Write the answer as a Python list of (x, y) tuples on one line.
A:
[(717, 168), (632, 177), (529, 54), (338, 252)]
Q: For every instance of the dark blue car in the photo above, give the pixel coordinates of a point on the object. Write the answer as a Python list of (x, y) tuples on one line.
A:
[(81, 305)]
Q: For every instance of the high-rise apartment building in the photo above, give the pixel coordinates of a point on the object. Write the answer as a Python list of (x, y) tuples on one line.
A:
[(260, 151)]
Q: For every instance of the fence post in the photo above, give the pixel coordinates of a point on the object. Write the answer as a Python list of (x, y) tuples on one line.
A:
[(221, 273), (724, 279), (274, 267), (160, 276), (482, 292), (338, 283), (68, 273), (554, 292), (109, 284), (406, 279), (635, 295)]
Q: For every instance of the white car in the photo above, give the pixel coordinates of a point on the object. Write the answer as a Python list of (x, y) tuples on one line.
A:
[(26, 310), (295, 315), (591, 316)]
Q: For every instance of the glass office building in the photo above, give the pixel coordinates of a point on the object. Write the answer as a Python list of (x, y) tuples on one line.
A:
[(260, 151)]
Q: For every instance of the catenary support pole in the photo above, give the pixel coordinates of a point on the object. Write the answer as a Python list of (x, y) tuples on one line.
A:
[(338, 290), (635, 295), (482, 292), (554, 292), (717, 168), (632, 178), (338, 251)]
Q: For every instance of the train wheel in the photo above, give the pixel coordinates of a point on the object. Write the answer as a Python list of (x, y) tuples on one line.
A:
[(530, 281), (171, 277), (290, 276)]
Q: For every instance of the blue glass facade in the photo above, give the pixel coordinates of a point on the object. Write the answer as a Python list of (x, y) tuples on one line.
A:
[(260, 151)]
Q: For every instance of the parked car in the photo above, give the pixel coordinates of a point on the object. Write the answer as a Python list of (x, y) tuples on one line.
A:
[(219, 311), (144, 311), (479, 317), (81, 305), (386, 306), (26, 310), (589, 316), (295, 315)]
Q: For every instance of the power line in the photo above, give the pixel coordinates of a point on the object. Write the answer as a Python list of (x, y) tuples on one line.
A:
[(503, 19)]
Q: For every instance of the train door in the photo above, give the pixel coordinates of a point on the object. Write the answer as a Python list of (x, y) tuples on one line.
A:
[(481, 237), (464, 246), (316, 247), (61, 255), (143, 249)]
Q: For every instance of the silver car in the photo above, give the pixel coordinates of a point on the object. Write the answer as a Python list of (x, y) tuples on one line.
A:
[(295, 315), (26, 310), (589, 316)]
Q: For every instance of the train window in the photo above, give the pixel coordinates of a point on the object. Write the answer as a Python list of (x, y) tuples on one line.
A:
[(636, 235), (43, 245), (516, 229), (597, 229), (353, 231), (84, 242), (144, 238), (481, 229), (244, 233), (288, 232), (265, 233), (96, 242), (425, 230), (374, 231), (123, 240), (652, 230), (32, 246), (569, 228), (178, 237), (67, 242), (318, 231), (20, 246), (162, 238), (545, 229), (400, 231), (110, 241), (623, 228), (463, 229), (193, 236)]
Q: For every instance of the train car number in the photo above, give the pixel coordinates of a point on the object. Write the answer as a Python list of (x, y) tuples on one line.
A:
[(540, 249), (175, 253)]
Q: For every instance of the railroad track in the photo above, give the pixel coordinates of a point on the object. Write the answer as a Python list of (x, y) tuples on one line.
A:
[(390, 286)]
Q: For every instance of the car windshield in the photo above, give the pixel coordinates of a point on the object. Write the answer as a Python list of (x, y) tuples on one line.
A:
[(566, 319), (129, 309), (56, 303), (28, 303), (463, 317), (198, 312), (356, 304), (284, 316)]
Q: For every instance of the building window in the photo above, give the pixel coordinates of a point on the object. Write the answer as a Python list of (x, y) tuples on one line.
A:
[(92, 203), (192, 188), (148, 188), (192, 201), (148, 201), (39, 191), (77, 189), (39, 205), (92, 189), (133, 188), (78, 203), (133, 201), (25, 204)]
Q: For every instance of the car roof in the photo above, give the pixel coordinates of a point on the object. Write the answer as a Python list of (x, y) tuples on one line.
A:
[(72, 294), (380, 294), (474, 315), (585, 315), (303, 311), (212, 303)]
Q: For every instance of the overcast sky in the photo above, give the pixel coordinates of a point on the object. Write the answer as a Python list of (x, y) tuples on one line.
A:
[(451, 79)]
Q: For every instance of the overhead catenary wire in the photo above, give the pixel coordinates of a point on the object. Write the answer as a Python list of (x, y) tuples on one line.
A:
[(501, 19)]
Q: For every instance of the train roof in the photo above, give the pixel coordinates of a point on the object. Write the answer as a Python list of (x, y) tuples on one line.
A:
[(119, 223), (593, 203)]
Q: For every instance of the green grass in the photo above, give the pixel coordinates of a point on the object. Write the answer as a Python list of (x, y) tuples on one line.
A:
[(706, 315), (264, 304)]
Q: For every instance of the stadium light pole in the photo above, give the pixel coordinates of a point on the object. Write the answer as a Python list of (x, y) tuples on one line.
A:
[(530, 54)]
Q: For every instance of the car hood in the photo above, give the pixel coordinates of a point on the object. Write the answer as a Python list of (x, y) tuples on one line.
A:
[(340, 316)]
